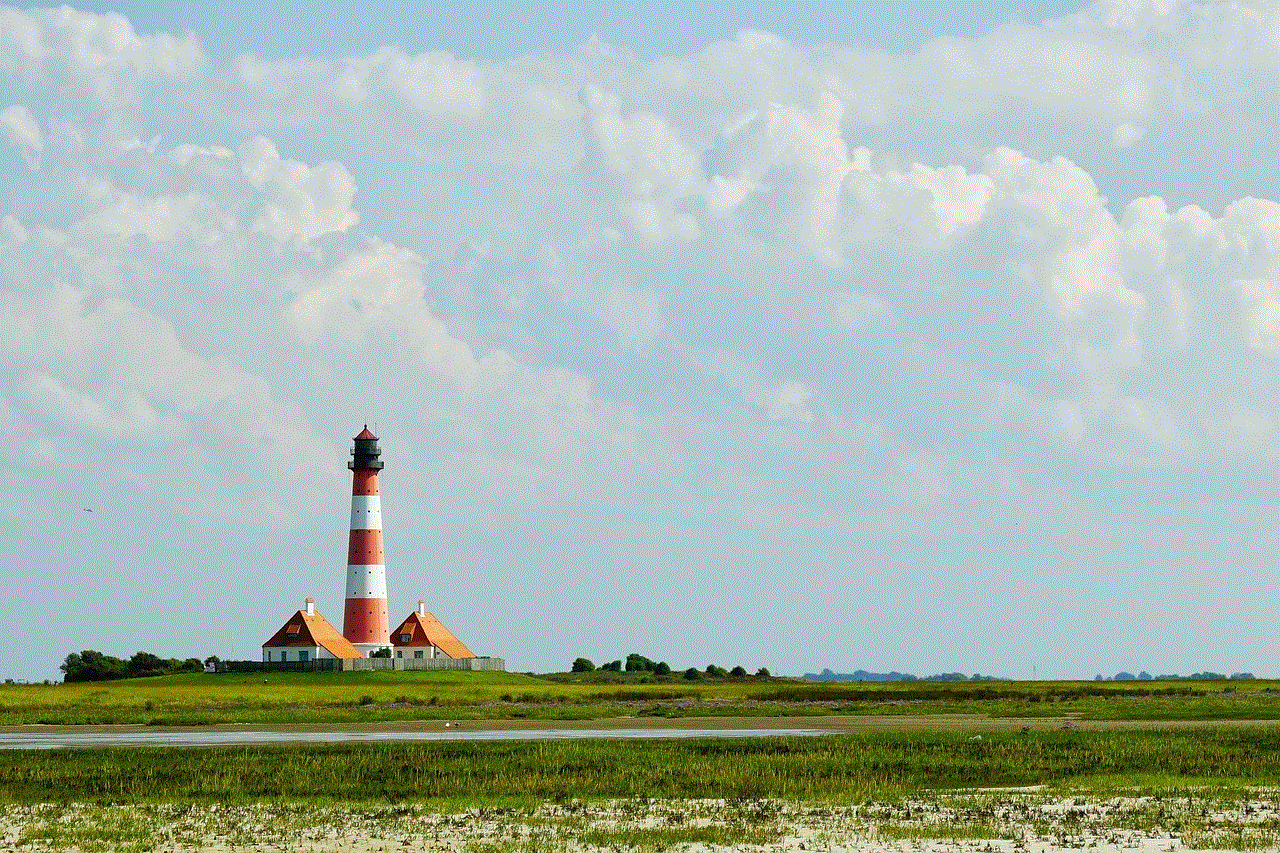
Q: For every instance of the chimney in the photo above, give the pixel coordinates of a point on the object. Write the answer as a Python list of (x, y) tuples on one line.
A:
[(311, 607), (422, 607)]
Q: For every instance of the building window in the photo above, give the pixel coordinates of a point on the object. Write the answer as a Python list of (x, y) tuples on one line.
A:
[(284, 655), (303, 655), (268, 656), (399, 653), (404, 638), (418, 653)]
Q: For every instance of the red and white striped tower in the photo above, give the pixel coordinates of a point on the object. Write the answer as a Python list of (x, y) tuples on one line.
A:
[(365, 621)]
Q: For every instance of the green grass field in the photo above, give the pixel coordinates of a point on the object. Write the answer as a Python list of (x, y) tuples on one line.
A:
[(200, 699), (880, 766)]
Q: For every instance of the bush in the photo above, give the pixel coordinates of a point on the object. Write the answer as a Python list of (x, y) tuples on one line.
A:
[(717, 671), (762, 672), (738, 672), (90, 665), (639, 663), (143, 664), (661, 668), (692, 673), (582, 665), (612, 666)]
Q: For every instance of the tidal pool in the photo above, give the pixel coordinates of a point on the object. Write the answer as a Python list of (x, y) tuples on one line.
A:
[(62, 737)]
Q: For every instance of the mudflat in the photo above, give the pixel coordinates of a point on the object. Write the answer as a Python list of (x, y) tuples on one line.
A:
[(836, 724), (1007, 821)]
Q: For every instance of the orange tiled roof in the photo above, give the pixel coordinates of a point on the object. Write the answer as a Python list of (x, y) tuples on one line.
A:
[(425, 629), (310, 631)]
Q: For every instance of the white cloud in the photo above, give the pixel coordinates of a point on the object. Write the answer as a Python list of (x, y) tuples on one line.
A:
[(94, 69), (773, 291), (789, 401), (114, 376), (300, 202), (20, 128), (1126, 134), (781, 171), (655, 173)]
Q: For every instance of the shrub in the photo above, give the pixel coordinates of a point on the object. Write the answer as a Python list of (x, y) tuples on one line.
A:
[(90, 665), (692, 673), (639, 663), (582, 665)]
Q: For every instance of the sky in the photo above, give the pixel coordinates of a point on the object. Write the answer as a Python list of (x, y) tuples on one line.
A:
[(939, 337)]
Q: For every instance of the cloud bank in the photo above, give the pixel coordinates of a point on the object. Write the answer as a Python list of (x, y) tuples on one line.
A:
[(768, 326)]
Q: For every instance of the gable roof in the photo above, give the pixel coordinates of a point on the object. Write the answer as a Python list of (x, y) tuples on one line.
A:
[(424, 629), (313, 631)]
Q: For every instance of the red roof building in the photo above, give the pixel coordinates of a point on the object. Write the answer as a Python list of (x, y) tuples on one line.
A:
[(308, 636), (422, 635)]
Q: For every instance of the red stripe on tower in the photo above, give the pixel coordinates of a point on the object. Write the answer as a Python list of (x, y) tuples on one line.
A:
[(365, 622)]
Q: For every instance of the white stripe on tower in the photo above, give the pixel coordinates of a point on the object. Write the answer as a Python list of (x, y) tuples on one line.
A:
[(365, 622)]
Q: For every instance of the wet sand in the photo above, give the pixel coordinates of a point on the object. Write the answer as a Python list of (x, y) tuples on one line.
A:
[(52, 737)]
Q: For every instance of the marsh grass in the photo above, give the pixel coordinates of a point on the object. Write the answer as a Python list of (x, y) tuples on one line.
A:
[(841, 768), (101, 831), (200, 699), (663, 837), (1233, 838), (940, 831)]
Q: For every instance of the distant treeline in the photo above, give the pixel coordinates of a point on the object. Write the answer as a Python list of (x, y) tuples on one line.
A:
[(637, 662), (863, 675), (90, 665), (1196, 676)]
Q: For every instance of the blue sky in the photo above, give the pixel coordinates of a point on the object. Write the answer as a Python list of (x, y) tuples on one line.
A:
[(927, 337), (505, 31)]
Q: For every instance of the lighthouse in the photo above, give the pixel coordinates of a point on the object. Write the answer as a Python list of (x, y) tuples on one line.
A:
[(365, 623)]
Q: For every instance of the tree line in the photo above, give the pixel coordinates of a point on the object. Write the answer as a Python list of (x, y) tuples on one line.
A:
[(1195, 676), (863, 675), (636, 662), (90, 665)]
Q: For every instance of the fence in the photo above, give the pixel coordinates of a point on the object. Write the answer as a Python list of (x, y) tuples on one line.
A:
[(363, 665)]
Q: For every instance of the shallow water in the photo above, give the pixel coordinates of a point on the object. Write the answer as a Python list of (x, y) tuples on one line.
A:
[(60, 738)]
